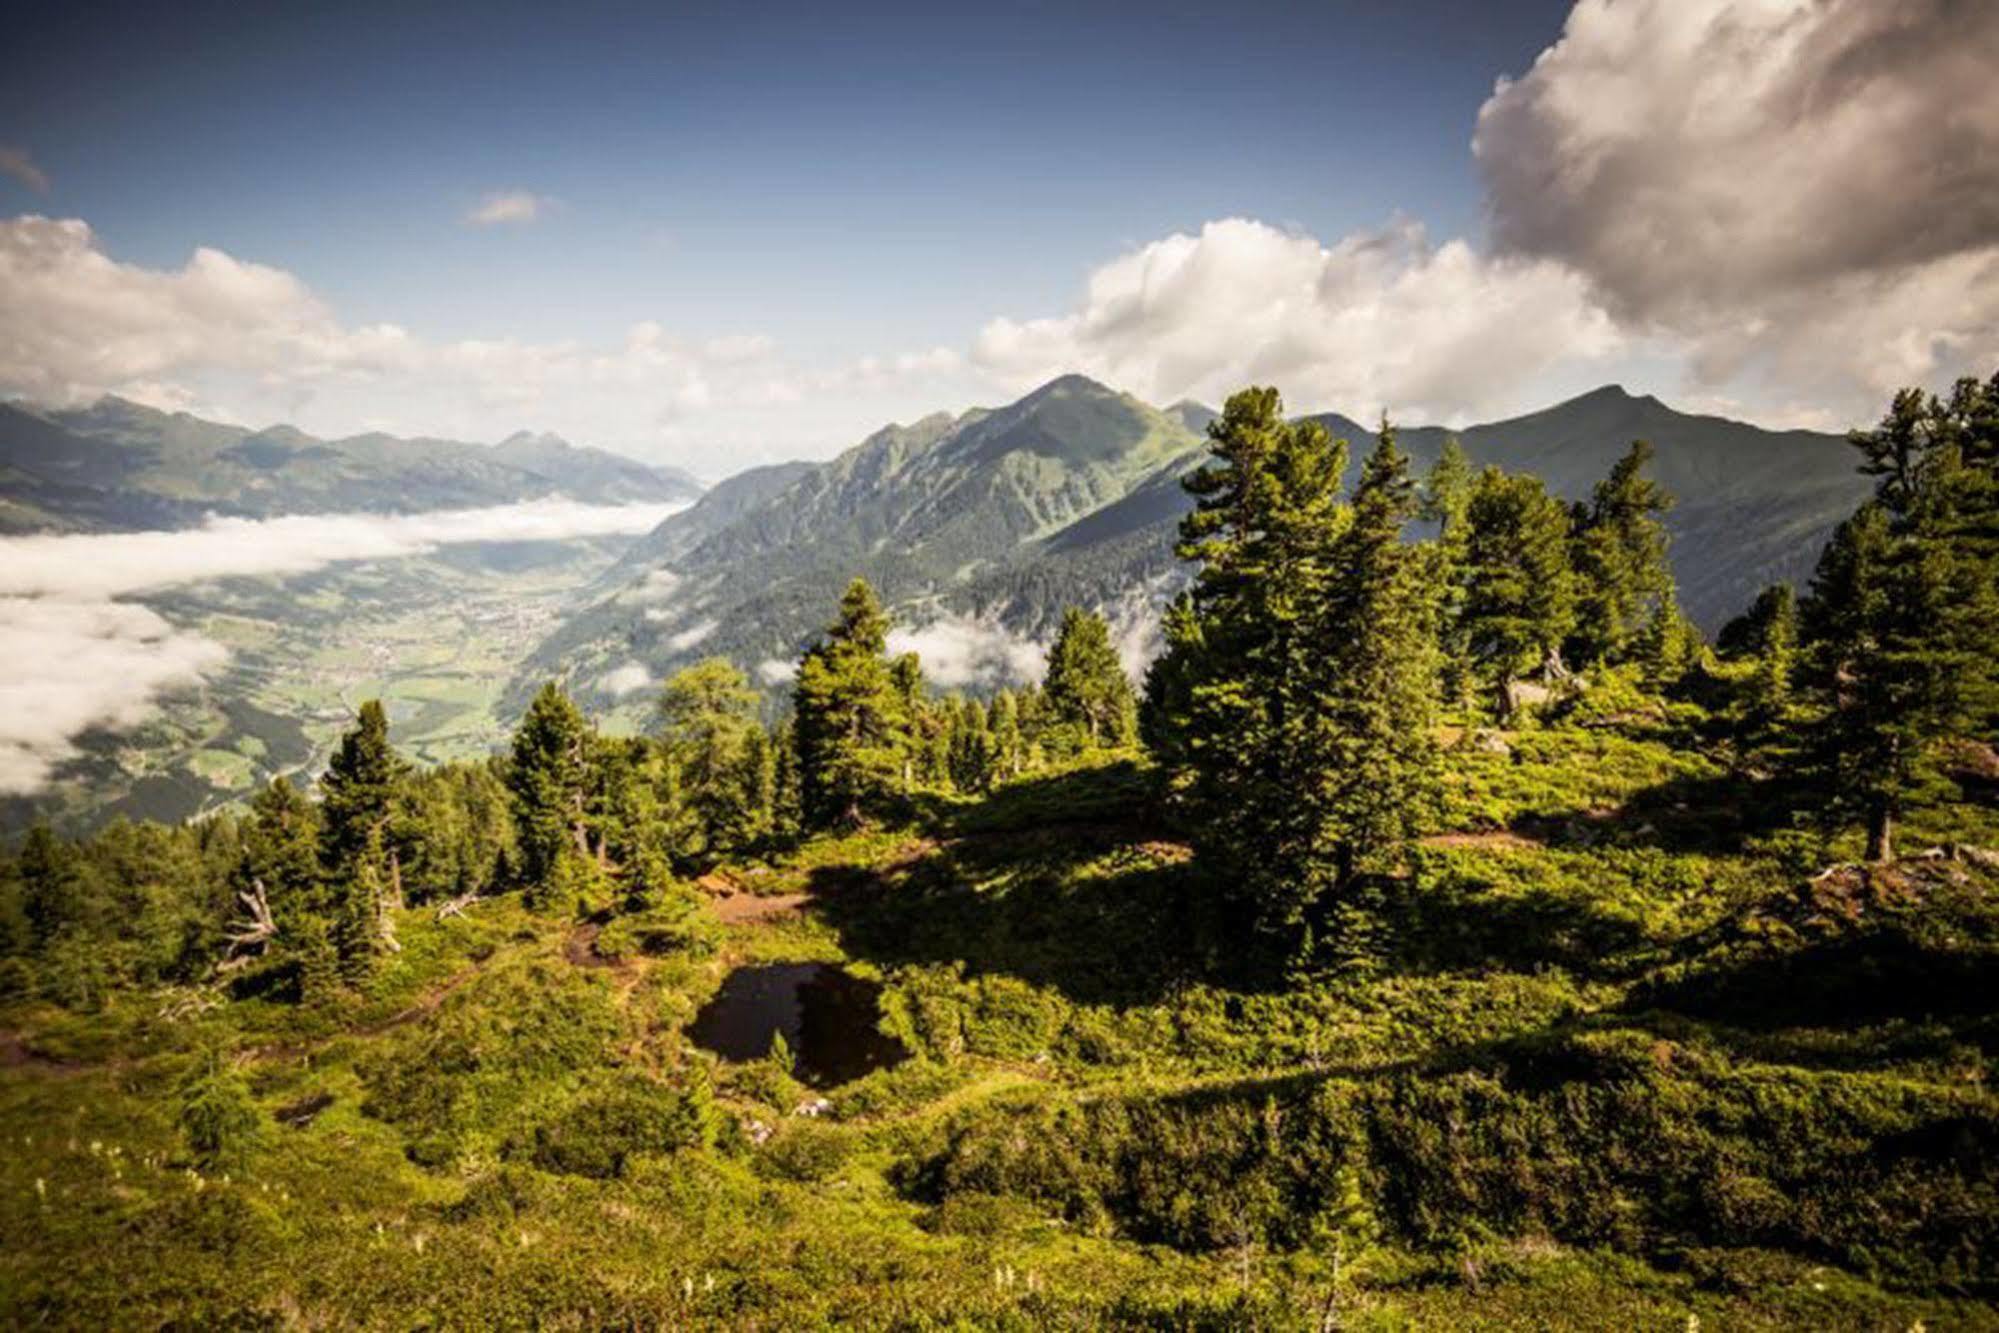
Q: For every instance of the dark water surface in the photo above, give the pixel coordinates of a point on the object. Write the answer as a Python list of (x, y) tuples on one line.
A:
[(827, 1016)]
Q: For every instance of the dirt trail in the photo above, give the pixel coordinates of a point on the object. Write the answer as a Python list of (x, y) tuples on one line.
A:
[(741, 908), (1487, 840)]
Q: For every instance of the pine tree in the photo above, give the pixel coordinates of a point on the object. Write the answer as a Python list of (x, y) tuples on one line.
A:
[(1620, 560), (709, 716), (1236, 703), (849, 716), (49, 884), (1086, 687), (1904, 607), (281, 852), (1767, 633), (1520, 599), (1446, 502), (1008, 746), (549, 778), (1374, 760), (358, 790)]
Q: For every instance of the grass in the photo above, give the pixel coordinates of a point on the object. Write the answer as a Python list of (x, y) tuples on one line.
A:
[(1613, 1071)]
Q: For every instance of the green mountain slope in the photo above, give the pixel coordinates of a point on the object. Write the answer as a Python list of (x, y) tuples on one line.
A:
[(119, 465), (1072, 495), (929, 512)]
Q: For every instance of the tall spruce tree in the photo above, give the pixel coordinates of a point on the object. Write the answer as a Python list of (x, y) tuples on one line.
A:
[(1236, 702), (1086, 687), (708, 713), (1446, 502), (849, 715), (358, 792), (1520, 596), (1620, 559), (1903, 616), (1375, 760), (549, 777), (281, 852), (357, 805)]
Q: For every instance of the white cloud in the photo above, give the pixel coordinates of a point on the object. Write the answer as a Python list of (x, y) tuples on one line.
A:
[(958, 652), (692, 635), (624, 680), (77, 659), (1806, 192), (508, 206), (776, 671), (75, 324), (16, 162), (1376, 319), (76, 665)]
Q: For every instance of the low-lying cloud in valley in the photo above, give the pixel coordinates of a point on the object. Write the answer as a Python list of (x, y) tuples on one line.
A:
[(78, 658)]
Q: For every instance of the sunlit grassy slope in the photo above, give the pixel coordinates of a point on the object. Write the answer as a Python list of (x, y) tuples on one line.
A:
[(1624, 1066)]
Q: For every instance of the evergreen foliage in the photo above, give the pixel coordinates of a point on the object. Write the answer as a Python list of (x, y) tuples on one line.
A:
[(850, 716), (1085, 685)]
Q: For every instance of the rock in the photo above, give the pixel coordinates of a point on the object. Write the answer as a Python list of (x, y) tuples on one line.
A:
[(1487, 741), (1523, 695), (818, 1106)]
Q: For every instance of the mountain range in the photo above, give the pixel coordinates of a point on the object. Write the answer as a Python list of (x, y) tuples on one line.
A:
[(1072, 494), (118, 465)]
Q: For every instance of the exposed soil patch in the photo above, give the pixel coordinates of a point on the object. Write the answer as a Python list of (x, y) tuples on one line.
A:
[(744, 907), (581, 946), (1488, 840)]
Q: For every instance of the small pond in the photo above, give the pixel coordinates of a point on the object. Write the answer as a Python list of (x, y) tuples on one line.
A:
[(826, 1013)]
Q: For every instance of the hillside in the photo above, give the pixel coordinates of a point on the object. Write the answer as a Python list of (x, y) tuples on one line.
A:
[(1620, 1071), (117, 465), (1072, 495)]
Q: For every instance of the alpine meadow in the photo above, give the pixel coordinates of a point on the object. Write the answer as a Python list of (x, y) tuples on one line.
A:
[(1126, 845)]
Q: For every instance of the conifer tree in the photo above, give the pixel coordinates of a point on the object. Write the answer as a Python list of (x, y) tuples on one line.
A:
[(549, 777), (49, 884), (1085, 686), (1620, 559), (1375, 759), (281, 851), (357, 792), (973, 758), (1446, 502), (709, 716), (1008, 746), (848, 716), (1520, 599), (1236, 703), (1903, 615)]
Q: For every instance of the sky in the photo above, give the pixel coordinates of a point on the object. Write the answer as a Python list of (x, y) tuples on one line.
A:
[(724, 235)]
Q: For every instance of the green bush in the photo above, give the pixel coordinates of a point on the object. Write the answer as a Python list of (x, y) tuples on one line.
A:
[(599, 1131)]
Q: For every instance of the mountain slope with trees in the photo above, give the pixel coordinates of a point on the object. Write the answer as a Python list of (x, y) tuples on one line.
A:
[(1072, 496), (1454, 949)]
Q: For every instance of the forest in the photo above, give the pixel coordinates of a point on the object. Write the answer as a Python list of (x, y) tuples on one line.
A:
[(1443, 932)]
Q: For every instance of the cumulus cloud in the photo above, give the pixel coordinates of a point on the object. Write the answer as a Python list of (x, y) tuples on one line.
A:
[(776, 671), (508, 206), (75, 323), (16, 162), (958, 653), (624, 680), (1376, 319), (1807, 191), (78, 659)]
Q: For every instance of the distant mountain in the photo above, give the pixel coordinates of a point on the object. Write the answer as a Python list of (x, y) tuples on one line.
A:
[(1072, 495), (120, 465)]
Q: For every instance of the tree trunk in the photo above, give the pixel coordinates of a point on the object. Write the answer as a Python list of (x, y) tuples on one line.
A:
[(1881, 831)]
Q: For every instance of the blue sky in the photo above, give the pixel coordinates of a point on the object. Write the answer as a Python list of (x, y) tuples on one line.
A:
[(833, 182)]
